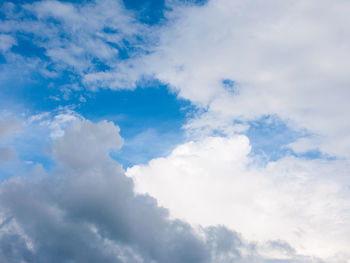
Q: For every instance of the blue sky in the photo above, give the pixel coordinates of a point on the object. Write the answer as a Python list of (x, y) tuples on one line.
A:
[(225, 107), (145, 109)]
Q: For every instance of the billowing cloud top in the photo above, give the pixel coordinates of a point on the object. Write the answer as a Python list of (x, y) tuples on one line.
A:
[(85, 210), (233, 116)]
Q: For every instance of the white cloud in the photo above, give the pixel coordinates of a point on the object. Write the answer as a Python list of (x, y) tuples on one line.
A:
[(55, 122), (214, 181), (287, 58)]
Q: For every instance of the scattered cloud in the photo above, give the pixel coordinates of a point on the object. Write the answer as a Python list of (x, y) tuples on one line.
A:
[(243, 64), (83, 39)]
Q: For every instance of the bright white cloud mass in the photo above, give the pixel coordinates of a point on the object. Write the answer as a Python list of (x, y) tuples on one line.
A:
[(244, 158)]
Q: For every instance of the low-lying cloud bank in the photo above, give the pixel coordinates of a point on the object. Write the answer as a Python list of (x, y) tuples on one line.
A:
[(86, 210)]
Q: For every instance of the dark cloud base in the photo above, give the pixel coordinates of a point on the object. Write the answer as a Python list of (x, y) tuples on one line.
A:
[(86, 211)]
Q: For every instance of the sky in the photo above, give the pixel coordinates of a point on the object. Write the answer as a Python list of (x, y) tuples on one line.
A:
[(175, 131)]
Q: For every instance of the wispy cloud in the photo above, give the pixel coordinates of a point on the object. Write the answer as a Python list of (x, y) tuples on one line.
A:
[(85, 39)]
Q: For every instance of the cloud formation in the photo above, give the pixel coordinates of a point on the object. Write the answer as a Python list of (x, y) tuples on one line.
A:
[(82, 41), (86, 210), (215, 180), (239, 62), (289, 59)]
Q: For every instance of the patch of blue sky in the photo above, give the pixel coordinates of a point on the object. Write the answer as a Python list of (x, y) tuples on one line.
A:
[(150, 11), (230, 86), (150, 119), (315, 154), (28, 154), (27, 48), (7, 170), (153, 11), (270, 136), (2, 59), (35, 92), (33, 146), (148, 116)]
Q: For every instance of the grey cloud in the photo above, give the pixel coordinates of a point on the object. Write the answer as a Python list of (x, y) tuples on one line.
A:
[(6, 154), (87, 211), (281, 245), (7, 128), (86, 143)]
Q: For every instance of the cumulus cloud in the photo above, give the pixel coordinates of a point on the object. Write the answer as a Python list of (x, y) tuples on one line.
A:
[(86, 211), (215, 180), (240, 61), (86, 143), (236, 60)]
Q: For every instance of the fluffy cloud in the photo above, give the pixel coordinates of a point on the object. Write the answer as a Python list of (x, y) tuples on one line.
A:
[(85, 210), (215, 181), (241, 61), (289, 59), (87, 143), (238, 60)]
